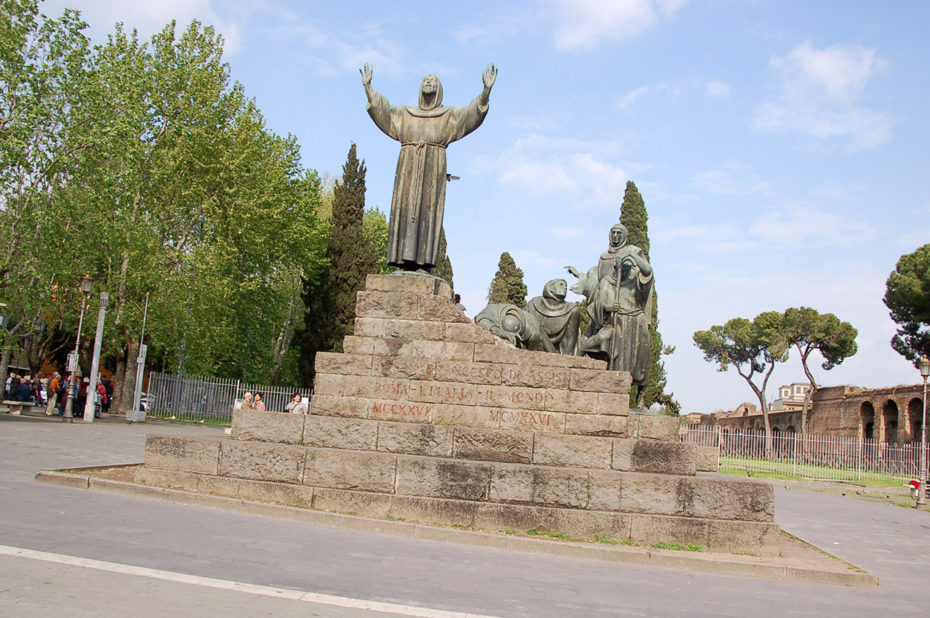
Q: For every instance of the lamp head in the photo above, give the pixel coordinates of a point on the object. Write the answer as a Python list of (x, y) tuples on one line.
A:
[(86, 283), (924, 367)]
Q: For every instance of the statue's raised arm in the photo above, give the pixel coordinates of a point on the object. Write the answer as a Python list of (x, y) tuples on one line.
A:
[(488, 78), (367, 72)]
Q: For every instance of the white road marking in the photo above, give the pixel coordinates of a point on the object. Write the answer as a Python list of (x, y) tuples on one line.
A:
[(223, 584)]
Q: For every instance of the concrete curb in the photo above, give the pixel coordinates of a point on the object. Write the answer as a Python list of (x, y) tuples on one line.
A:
[(719, 564)]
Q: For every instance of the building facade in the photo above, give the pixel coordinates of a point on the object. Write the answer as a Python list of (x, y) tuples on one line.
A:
[(891, 414)]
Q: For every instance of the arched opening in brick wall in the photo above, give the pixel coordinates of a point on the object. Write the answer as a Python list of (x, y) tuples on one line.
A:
[(867, 419), (890, 419), (915, 412), (790, 429)]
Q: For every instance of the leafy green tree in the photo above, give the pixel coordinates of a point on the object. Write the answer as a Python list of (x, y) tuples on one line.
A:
[(907, 296), (807, 330), (507, 285), (634, 216), (42, 61), (375, 225), (753, 348)]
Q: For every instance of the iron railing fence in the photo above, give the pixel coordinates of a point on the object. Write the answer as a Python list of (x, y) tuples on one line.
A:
[(201, 399), (836, 458)]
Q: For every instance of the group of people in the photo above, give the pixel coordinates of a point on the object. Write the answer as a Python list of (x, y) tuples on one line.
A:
[(297, 404), (55, 390)]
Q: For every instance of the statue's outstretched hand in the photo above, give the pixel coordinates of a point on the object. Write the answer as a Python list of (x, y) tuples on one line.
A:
[(573, 271), (489, 76), (366, 72)]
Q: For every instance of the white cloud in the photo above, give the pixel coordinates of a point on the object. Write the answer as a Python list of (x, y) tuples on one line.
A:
[(717, 89), (585, 174), (583, 24), (799, 226), (821, 92), (149, 17), (733, 179)]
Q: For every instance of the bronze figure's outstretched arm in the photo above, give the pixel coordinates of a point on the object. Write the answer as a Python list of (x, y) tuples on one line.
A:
[(487, 78)]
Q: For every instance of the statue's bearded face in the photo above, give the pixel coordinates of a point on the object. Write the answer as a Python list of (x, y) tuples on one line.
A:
[(429, 85), (559, 289)]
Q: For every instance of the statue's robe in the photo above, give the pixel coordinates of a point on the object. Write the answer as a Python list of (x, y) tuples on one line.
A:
[(420, 182), (529, 334), (558, 319), (625, 333)]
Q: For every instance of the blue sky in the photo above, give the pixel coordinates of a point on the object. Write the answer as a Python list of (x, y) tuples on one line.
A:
[(779, 145)]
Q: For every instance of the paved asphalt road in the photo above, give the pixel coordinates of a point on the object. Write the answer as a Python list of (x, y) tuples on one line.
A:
[(73, 552)]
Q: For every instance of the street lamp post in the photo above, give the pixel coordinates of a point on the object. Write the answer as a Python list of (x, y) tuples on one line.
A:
[(86, 283), (922, 491), (90, 404)]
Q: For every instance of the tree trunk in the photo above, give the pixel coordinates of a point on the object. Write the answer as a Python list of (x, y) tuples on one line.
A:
[(127, 383)]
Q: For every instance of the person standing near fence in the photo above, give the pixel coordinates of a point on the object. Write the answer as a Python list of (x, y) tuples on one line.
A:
[(297, 405), (257, 403), (246, 401), (51, 393)]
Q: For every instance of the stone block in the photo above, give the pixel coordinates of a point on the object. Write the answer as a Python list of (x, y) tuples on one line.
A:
[(408, 283), (500, 352), (433, 510), (218, 486), (467, 332), (612, 403), (262, 461), (536, 377), (277, 493), (188, 454), (596, 425), (519, 518), (403, 411), (493, 445), (336, 432), (391, 388), (530, 420), (363, 504), (592, 525), (708, 458), (440, 478), (465, 416), (343, 364), (358, 470), (743, 537), (586, 362), (415, 439), (464, 371), (572, 451), (600, 381), (171, 479), (728, 499), (343, 386), (604, 489), (519, 397), (539, 486), (651, 529), (377, 304), (333, 405), (368, 327), (455, 393), (414, 329), (265, 426), (656, 494), (649, 427), (573, 402), (547, 359), (440, 309), (653, 456)]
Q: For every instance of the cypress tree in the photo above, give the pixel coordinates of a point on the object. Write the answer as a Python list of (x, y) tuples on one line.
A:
[(633, 215), (330, 299), (443, 268), (507, 285)]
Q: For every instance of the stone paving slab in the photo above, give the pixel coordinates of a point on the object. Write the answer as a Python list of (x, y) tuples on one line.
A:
[(798, 561)]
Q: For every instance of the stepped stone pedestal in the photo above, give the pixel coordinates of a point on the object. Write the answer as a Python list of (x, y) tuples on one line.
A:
[(429, 418)]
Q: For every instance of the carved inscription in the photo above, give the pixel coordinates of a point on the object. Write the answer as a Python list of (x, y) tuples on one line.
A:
[(521, 417), (443, 393), (391, 388), (397, 409), (537, 377)]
